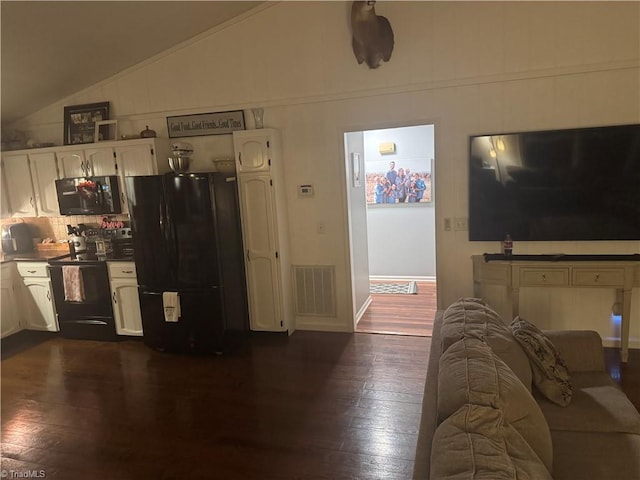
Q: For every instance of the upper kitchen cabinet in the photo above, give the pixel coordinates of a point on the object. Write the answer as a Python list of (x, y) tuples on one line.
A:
[(44, 173), (87, 162), (254, 149), (20, 194), (147, 156)]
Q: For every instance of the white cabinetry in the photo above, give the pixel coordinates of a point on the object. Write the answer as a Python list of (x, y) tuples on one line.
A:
[(29, 176), (265, 228), (124, 298), (87, 162), (44, 173), (30, 184), (140, 157), (19, 188), (38, 297), (10, 320)]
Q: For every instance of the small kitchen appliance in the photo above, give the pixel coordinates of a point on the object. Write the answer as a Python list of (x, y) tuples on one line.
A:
[(17, 238)]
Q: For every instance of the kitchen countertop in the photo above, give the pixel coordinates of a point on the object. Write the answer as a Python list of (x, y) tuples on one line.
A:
[(46, 256), (40, 256)]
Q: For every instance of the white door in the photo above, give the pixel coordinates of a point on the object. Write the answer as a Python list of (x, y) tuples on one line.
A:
[(44, 169), (101, 161), (252, 151), (126, 306), (72, 164), (261, 250), (19, 187), (39, 305)]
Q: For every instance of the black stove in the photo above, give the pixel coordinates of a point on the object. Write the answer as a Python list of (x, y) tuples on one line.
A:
[(80, 283)]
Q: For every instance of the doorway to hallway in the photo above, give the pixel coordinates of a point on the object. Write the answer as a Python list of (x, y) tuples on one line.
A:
[(390, 192)]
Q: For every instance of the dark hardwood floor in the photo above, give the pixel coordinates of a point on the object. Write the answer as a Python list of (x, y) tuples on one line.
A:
[(311, 406), (401, 314)]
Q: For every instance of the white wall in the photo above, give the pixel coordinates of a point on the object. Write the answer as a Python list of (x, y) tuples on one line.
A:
[(467, 67), (402, 238)]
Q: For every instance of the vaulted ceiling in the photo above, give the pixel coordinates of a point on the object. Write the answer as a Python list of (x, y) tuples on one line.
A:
[(51, 49)]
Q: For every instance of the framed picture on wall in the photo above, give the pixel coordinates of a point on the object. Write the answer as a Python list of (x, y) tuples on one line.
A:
[(80, 122), (399, 181)]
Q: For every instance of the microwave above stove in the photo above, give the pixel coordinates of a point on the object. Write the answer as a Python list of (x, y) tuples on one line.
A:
[(89, 195)]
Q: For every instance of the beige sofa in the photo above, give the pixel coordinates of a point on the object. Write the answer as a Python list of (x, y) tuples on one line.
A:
[(483, 419)]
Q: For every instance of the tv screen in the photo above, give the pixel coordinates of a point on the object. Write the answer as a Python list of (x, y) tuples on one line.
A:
[(576, 184)]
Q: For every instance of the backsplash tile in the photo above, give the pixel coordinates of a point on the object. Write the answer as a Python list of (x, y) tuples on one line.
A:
[(56, 227)]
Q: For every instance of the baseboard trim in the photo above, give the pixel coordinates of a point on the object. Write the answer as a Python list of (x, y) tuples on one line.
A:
[(425, 278), (363, 309)]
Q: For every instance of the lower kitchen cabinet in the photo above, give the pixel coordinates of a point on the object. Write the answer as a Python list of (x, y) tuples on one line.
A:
[(10, 318), (124, 298), (40, 313)]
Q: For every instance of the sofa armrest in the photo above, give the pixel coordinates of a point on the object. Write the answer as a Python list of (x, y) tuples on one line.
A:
[(580, 349)]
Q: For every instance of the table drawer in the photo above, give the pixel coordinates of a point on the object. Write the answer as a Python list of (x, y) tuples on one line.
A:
[(533, 277), (32, 269), (595, 277), (122, 270)]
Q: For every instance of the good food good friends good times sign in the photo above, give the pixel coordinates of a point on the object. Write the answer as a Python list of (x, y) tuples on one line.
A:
[(205, 124)]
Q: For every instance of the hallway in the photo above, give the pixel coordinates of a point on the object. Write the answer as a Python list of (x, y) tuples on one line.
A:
[(401, 314)]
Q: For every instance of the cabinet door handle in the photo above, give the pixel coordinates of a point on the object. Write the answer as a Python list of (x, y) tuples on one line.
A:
[(240, 158), (127, 271), (31, 201), (248, 256), (114, 298), (49, 296), (31, 271), (122, 198)]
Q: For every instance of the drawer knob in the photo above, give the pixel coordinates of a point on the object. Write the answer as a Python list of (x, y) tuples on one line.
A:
[(31, 271), (127, 271), (597, 277), (544, 277)]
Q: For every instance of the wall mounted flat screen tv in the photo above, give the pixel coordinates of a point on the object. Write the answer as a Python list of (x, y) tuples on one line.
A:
[(576, 184)]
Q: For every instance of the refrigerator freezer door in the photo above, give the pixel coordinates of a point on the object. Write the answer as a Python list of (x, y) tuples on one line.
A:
[(151, 233), (199, 329), (193, 242)]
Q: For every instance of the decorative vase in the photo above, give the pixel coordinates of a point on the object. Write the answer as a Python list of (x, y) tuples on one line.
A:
[(258, 113)]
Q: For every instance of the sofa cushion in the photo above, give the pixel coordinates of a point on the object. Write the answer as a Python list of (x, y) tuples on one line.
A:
[(597, 405), (550, 374), (593, 455), (475, 442), (470, 372), (472, 317)]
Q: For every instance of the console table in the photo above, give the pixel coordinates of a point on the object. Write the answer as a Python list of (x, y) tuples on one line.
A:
[(621, 272)]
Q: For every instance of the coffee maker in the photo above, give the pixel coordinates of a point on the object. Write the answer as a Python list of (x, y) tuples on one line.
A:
[(17, 238)]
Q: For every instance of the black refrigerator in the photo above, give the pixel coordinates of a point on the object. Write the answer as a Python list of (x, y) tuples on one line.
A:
[(187, 240)]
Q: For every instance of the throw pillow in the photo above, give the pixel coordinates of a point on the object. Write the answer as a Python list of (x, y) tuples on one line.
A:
[(476, 442), (550, 373)]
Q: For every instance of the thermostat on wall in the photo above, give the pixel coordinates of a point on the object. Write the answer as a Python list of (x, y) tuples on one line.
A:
[(305, 190)]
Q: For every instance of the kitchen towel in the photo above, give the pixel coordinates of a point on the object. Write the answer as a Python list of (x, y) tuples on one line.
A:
[(73, 283), (171, 305)]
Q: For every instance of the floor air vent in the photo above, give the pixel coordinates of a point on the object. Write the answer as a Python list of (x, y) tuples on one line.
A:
[(315, 290)]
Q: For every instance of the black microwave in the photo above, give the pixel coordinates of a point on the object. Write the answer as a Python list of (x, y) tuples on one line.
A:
[(89, 195)]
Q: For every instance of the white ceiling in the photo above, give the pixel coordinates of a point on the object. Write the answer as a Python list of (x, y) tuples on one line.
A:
[(51, 49)]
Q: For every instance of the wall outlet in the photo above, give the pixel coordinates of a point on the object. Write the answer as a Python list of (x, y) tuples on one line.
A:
[(447, 224), (461, 224)]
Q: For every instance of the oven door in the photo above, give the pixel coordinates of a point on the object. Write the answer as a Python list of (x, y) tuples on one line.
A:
[(88, 314)]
